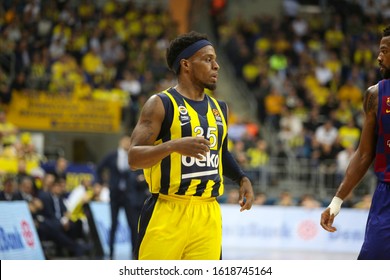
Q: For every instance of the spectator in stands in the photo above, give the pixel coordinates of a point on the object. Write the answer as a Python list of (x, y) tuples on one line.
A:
[(232, 196), (343, 158), (22, 56), (92, 63), (309, 201), (291, 127), (364, 203), (19, 84), (101, 193), (8, 131), (22, 169), (258, 161), (285, 198), (38, 74), (58, 168), (314, 119), (27, 190), (342, 114), (10, 190), (55, 223), (239, 153), (132, 86), (348, 134), (323, 74), (274, 105), (5, 93), (351, 93), (47, 180), (261, 198), (326, 134)]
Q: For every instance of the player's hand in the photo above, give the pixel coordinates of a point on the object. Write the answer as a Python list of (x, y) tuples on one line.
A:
[(330, 213), (196, 147), (246, 197), (327, 220)]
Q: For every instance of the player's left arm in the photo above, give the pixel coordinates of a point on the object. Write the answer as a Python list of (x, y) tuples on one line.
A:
[(233, 171)]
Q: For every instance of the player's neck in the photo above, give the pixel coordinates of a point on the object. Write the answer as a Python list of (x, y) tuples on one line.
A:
[(190, 91)]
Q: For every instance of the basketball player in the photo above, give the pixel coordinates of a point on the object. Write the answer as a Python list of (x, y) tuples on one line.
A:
[(374, 144), (180, 141)]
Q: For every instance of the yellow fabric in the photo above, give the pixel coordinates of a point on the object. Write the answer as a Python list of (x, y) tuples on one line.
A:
[(363, 56), (250, 72), (274, 104), (191, 230), (352, 94), (109, 7), (10, 164), (333, 65), (321, 95), (62, 31), (349, 136), (263, 44), (92, 63), (334, 37), (86, 10), (257, 157), (11, 138), (78, 212), (79, 43)]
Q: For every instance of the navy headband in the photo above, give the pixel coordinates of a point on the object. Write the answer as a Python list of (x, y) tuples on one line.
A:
[(188, 52)]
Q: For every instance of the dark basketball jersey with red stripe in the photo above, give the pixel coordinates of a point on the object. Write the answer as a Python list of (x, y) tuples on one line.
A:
[(382, 159)]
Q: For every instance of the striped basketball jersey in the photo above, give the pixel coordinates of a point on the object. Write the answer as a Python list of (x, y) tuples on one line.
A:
[(183, 175), (382, 159)]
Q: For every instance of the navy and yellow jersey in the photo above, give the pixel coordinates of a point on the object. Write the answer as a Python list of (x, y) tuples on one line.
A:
[(382, 158), (182, 175)]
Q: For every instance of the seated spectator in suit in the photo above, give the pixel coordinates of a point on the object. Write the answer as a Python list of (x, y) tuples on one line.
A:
[(10, 191), (27, 190), (55, 224)]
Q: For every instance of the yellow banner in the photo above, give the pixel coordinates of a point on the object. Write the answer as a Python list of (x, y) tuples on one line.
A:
[(44, 112)]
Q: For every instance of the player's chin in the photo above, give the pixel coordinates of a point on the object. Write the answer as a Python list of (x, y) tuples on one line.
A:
[(385, 73), (211, 86)]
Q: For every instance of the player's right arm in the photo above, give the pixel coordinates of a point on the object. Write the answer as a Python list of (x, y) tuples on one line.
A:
[(143, 153), (360, 162), (365, 152)]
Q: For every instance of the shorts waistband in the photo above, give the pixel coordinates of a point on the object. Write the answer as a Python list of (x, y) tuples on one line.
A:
[(186, 198)]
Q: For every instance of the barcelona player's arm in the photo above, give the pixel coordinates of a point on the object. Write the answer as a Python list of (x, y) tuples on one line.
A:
[(233, 171), (143, 153), (360, 162)]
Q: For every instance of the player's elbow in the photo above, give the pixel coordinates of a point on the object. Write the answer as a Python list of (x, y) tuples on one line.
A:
[(132, 163)]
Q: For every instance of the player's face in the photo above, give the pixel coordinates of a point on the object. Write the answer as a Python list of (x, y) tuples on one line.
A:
[(205, 68), (384, 57)]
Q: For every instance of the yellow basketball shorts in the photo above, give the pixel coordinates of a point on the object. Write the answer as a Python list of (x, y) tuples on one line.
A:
[(179, 228)]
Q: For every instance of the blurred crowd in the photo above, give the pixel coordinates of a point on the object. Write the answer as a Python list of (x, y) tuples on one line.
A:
[(59, 214), (111, 51), (308, 71)]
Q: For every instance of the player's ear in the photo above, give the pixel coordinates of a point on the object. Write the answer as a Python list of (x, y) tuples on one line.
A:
[(184, 64)]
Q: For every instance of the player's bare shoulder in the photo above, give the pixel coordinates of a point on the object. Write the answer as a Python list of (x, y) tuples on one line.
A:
[(370, 102), (153, 109)]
